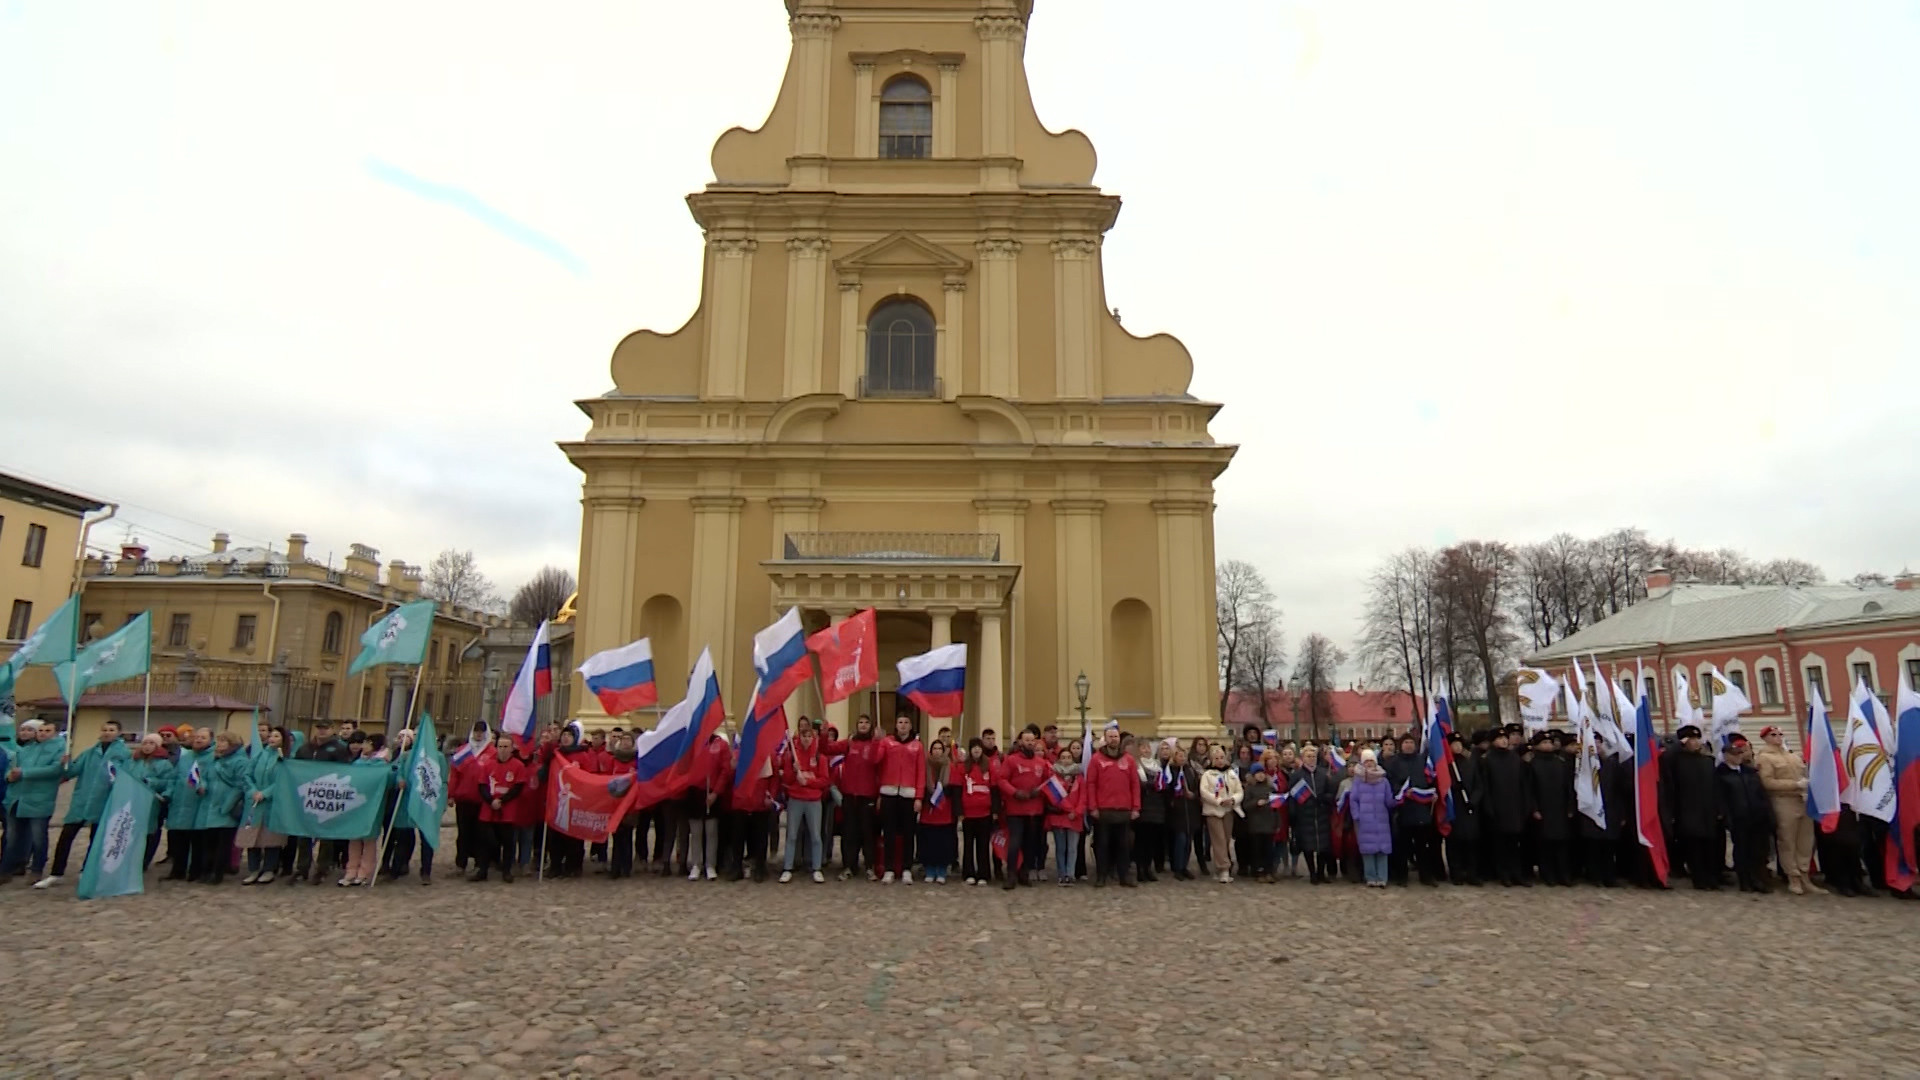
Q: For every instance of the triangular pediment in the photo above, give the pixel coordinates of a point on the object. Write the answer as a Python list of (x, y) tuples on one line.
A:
[(902, 251)]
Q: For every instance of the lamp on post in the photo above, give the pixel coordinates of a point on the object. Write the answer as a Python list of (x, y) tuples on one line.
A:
[(1080, 691), (1294, 696)]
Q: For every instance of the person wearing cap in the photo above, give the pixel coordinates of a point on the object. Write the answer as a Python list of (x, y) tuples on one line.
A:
[(1599, 844), (1257, 801), (1463, 830), (1784, 776), (1747, 813), (1688, 775), (310, 864), (1550, 790), (170, 742), (1508, 809)]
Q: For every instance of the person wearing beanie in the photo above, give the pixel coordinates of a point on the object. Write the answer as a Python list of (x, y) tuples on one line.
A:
[(1257, 792), (1784, 775), (1687, 774), (1370, 801), (1747, 813), (1550, 784), (1463, 830), (1509, 808)]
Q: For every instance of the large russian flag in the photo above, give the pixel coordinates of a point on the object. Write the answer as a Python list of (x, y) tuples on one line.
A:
[(1903, 863), (1440, 760), (1646, 788), (936, 681), (780, 659), (1826, 780), (622, 678), (760, 736), (534, 682), (706, 713)]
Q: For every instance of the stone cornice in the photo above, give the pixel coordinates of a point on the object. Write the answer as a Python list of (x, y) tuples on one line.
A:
[(717, 503), (1183, 505), (1078, 506), (813, 25), (995, 27), (994, 504), (998, 247), (797, 502)]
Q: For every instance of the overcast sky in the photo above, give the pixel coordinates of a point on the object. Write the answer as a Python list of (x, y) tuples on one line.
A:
[(1455, 270)]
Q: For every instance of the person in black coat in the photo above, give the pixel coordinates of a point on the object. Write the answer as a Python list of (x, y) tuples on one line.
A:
[(1550, 784), (1598, 844), (1507, 809), (1695, 799), (1406, 768), (1747, 812), (1310, 823), (1469, 791)]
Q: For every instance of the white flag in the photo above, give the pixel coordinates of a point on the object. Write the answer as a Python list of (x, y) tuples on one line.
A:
[(1537, 690), (1586, 765), (1864, 754), (1729, 701), (1683, 709)]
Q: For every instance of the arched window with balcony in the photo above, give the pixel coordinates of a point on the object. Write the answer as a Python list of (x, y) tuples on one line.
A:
[(900, 351), (906, 118)]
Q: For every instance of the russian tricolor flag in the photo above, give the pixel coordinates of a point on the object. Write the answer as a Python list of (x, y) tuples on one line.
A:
[(705, 713), (1055, 789), (780, 658), (1826, 780), (1646, 786), (1334, 757), (622, 678), (534, 682), (761, 735), (1903, 863), (1301, 791), (936, 681), (1440, 759)]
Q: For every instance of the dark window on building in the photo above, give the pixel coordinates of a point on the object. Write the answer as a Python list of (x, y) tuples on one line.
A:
[(36, 545), (453, 658), (366, 701), (177, 630), (906, 119), (323, 700), (1913, 674), (128, 621), (243, 631), (1817, 683), (88, 621), (900, 346), (336, 629), (433, 656), (1863, 673), (1769, 687), (1738, 679), (20, 622), (1651, 688)]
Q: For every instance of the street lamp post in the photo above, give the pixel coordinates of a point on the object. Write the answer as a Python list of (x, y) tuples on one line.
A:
[(1294, 696), (1080, 691)]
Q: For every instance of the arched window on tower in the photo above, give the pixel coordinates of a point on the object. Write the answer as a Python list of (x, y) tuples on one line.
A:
[(330, 637), (900, 351), (906, 119)]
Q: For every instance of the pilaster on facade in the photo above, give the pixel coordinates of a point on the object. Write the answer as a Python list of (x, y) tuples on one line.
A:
[(866, 112), (812, 50), (1077, 310), (806, 310), (950, 356), (1078, 606), (999, 316), (946, 117), (1003, 42), (853, 337), (716, 557), (1186, 661), (731, 298)]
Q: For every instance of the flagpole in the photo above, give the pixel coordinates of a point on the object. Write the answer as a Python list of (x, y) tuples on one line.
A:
[(380, 853), (146, 706)]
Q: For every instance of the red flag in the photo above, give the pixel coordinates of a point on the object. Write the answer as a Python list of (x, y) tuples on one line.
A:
[(849, 656), (586, 806)]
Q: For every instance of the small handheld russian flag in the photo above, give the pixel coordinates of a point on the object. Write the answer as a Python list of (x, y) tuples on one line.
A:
[(1334, 757), (935, 793), (193, 775), (1301, 791), (1277, 799), (1056, 790), (1164, 780)]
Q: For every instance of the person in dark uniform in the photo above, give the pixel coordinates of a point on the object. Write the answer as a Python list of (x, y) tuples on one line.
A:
[(1507, 809), (1469, 791), (1696, 807), (1599, 844), (1747, 813), (1550, 787)]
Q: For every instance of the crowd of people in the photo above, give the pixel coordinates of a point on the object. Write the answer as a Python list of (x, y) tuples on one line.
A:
[(887, 805)]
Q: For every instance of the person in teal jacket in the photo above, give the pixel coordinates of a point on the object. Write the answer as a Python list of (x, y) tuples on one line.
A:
[(183, 810), (220, 806), (33, 783), (92, 780), (261, 844), (153, 766)]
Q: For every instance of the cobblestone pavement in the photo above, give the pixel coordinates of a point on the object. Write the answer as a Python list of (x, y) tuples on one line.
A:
[(663, 977)]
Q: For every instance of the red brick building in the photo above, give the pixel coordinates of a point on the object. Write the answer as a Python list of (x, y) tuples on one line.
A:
[(1357, 714), (1776, 642)]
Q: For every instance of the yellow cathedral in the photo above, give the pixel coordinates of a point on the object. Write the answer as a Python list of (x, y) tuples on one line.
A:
[(903, 390)]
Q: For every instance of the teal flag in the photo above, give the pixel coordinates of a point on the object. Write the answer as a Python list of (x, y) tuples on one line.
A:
[(53, 642), (116, 856), (426, 780), (328, 801), (400, 638), (123, 654)]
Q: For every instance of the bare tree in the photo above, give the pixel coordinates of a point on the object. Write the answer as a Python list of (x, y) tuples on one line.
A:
[(1242, 602), (1871, 579), (1397, 630), (542, 597), (454, 578), (1475, 581), (1789, 572), (1316, 671)]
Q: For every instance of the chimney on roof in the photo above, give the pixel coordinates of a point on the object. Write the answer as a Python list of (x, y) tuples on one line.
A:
[(1907, 581), (297, 549), (1659, 582), (133, 551), (220, 540), (363, 562)]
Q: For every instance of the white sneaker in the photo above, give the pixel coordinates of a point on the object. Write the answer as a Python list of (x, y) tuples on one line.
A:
[(819, 878), (693, 874), (47, 882), (712, 874), (906, 877), (969, 881), (886, 878), (1226, 878), (786, 876)]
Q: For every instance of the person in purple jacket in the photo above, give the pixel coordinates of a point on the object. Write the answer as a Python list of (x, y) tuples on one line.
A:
[(1370, 801)]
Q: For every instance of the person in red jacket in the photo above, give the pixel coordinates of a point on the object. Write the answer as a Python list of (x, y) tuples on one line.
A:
[(860, 787), (1020, 778), (620, 759), (566, 855), (804, 773), (1113, 798), (705, 800), (504, 785), (937, 813), (463, 790), (976, 815), (1067, 817), (754, 809), (903, 780)]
